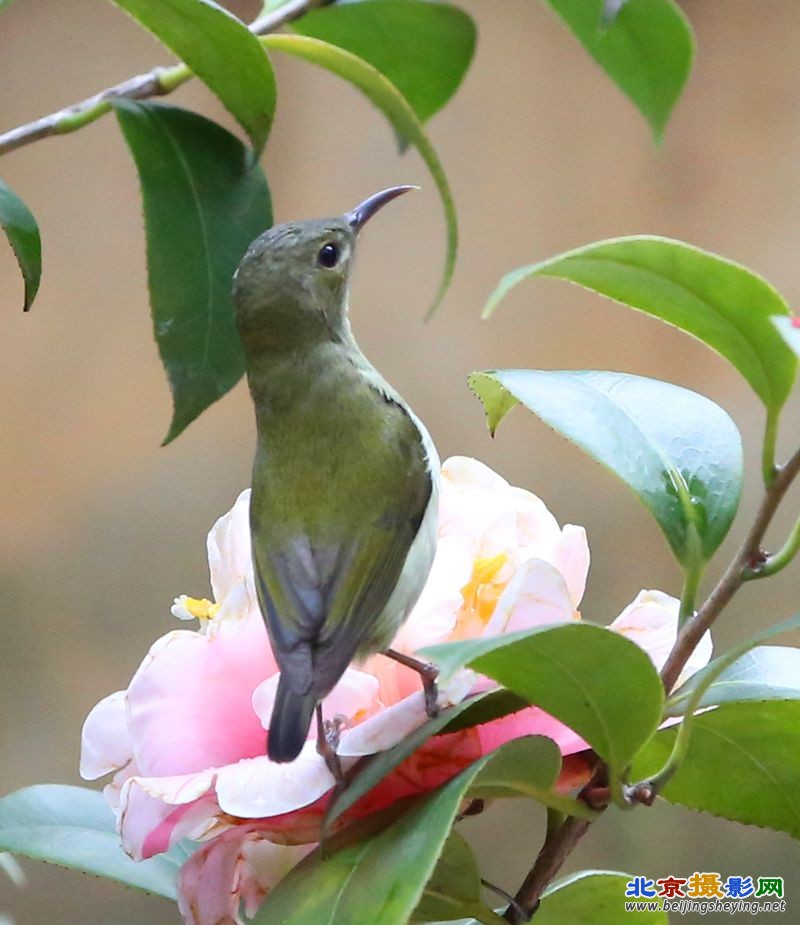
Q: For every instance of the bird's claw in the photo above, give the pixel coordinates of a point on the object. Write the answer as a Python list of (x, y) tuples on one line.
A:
[(429, 673), (328, 737)]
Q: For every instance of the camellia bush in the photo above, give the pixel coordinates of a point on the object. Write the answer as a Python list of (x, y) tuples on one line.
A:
[(535, 701)]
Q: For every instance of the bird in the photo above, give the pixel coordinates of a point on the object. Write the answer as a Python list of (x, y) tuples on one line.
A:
[(344, 501)]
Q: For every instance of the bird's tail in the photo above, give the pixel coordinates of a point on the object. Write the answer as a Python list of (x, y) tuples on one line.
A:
[(288, 727)]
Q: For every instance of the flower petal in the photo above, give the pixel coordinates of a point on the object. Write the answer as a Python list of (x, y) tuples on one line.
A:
[(105, 741), (572, 560), (257, 787), (386, 728), (155, 813), (651, 621), (229, 548), (189, 704), (240, 865), (526, 722), (537, 595)]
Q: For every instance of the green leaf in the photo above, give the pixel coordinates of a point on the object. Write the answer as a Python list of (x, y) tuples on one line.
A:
[(789, 330), (567, 670), (743, 673), (719, 302), (743, 763), (611, 10), (74, 827), (394, 106), (454, 889), (680, 453), (592, 897), (647, 49), (764, 673), (424, 49), (473, 711), (381, 878), (221, 51), (203, 205), (23, 236)]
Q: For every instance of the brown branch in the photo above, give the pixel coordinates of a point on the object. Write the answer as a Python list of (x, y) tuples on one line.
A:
[(140, 87), (548, 864)]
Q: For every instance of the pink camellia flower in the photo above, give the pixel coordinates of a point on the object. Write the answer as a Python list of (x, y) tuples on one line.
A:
[(186, 740)]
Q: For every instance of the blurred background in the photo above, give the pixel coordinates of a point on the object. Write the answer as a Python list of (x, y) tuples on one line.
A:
[(100, 528)]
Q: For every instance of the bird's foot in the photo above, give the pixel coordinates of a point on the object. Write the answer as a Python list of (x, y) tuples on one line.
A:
[(328, 736), (428, 673)]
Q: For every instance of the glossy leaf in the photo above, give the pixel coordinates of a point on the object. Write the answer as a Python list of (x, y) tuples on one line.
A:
[(567, 670), (680, 453), (592, 897), (789, 330), (424, 49), (221, 51), (719, 302), (74, 827), (748, 671), (743, 763), (393, 105), (765, 673), (646, 48), (23, 236), (203, 205), (481, 708), (381, 878), (611, 10)]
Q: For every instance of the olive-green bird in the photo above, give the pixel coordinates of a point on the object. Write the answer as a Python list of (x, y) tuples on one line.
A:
[(344, 504)]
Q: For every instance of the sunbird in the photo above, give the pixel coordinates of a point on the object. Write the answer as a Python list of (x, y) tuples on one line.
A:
[(343, 510)]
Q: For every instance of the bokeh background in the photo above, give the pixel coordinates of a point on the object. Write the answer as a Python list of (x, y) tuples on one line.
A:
[(100, 528)]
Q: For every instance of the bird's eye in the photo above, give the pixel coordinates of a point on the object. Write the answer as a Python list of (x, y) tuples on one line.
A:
[(328, 256)]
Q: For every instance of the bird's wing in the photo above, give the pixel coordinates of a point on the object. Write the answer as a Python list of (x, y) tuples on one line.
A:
[(321, 598)]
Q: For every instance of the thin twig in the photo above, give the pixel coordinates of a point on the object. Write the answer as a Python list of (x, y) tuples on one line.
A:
[(158, 82), (548, 864)]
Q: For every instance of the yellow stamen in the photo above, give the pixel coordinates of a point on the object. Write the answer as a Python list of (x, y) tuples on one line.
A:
[(482, 591), (201, 608)]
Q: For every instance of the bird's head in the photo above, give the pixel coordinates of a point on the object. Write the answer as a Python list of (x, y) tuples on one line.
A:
[(291, 286)]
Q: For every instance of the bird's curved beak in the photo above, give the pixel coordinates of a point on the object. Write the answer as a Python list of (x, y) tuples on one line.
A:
[(362, 213)]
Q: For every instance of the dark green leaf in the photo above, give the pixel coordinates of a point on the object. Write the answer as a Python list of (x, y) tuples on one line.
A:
[(679, 452), (481, 709), (789, 330), (74, 827), (719, 302), (381, 878), (393, 105), (592, 897), (424, 49), (203, 205), (743, 763), (567, 670), (646, 48), (454, 889), (221, 51), (23, 236)]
